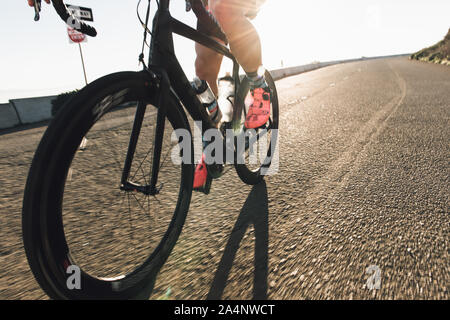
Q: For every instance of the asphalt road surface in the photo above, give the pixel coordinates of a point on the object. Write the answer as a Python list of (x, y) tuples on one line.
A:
[(363, 181)]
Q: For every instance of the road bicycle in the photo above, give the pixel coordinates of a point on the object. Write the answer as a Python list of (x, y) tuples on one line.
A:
[(103, 205)]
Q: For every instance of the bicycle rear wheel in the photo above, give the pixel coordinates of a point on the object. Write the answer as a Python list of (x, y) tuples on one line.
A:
[(256, 150), (78, 221)]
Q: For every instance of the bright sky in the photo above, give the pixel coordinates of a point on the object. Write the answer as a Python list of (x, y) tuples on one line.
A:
[(37, 59)]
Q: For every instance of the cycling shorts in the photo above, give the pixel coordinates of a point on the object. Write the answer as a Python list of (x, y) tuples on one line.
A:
[(250, 6)]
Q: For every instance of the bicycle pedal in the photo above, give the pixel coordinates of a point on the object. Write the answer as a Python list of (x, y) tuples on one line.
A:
[(215, 171), (206, 189)]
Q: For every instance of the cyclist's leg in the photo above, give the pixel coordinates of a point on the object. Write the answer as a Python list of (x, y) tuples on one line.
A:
[(243, 37), (207, 66), (208, 62), (246, 47)]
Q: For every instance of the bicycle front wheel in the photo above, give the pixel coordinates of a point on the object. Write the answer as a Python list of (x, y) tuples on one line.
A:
[(86, 236)]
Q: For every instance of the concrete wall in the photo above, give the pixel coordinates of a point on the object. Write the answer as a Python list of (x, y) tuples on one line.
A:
[(8, 116), (33, 110), (288, 72)]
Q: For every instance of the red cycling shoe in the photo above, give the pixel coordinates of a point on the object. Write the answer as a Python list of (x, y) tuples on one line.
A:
[(202, 180), (259, 112)]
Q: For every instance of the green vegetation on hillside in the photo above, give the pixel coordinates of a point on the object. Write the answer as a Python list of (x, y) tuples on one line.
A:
[(439, 53)]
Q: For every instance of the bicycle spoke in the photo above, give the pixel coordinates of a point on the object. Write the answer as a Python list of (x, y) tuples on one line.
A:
[(164, 160), (148, 203), (154, 197), (166, 156), (143, 175), (139, 203), (150, 160), (129, 212), (140, 165)]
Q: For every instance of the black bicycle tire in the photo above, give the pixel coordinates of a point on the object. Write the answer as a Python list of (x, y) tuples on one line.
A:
[(40, 251), (245, 174)]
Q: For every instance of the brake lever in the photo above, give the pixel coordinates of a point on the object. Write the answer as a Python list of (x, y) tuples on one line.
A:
[(37, 9)]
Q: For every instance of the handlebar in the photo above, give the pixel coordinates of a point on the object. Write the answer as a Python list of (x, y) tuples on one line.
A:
[(68, 18), (75, 23), (37, 9), (207, 23)]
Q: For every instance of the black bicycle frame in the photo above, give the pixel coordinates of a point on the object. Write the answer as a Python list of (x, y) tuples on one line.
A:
[(162, 55), (163, 62)]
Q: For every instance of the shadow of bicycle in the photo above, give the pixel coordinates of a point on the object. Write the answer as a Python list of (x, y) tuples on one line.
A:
[(254, 212)]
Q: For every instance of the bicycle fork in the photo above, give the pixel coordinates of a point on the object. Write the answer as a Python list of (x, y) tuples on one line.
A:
[(163, 85)]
